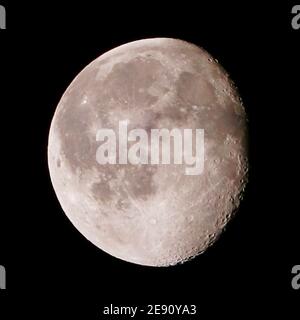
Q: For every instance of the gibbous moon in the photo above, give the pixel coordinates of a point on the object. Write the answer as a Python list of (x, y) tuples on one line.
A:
[(150, 214)]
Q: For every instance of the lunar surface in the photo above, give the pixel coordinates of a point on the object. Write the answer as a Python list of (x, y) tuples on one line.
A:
[(150, 214)]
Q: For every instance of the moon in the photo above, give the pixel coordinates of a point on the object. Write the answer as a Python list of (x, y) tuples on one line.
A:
[(153, 215)]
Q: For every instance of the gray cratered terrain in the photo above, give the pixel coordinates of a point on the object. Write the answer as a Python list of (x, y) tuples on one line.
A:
[(150, 214)]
